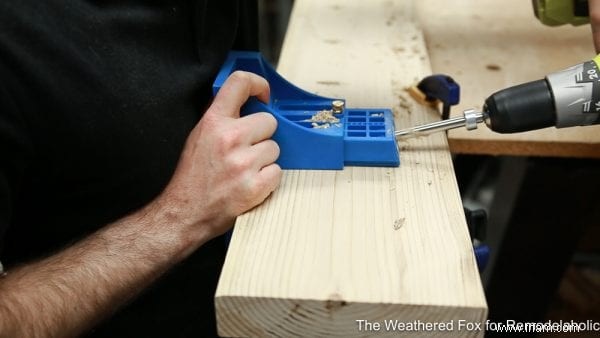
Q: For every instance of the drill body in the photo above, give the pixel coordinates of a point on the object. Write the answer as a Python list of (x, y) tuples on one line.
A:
[(567, 98), (560, 12)]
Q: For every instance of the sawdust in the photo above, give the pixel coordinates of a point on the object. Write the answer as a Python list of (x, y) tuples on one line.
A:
[(320, 126), (404, 100), (398, 223), (405, 103), (390, 21), (329, 83), (398, 50), (324, 119), (493, 67)]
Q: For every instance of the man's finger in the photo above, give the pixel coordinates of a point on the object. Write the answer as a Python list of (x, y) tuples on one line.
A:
[(236, 90), (264, 153), (257, 127), (269, 177), (594, 12)]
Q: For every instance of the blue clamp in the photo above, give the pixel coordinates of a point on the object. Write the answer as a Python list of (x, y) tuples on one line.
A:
[(360, 137), (442, 88), (482, 256), (477, 224)]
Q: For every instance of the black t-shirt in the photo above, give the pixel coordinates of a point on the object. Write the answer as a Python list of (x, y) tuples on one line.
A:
[(96, 101)]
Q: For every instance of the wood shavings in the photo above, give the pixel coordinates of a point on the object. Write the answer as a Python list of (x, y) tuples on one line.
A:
[(398, 50), (399, 223), (320, 126), (331, 41), (323, 119), (404, 101), (493, 67), (324, 116), (329, 83), (405, 104)]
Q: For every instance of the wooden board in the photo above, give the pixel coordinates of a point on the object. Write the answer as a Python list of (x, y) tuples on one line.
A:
[(488, 45), (333, 247)]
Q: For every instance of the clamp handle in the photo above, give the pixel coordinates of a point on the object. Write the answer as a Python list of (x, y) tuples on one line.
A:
[(443, 88)]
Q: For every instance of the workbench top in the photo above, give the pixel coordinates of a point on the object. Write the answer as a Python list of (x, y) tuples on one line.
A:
[(488, 45)]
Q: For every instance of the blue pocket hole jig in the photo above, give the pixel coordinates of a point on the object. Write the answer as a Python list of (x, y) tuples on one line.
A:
[(353, 137)]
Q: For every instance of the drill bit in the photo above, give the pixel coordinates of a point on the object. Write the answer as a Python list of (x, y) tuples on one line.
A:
[(469, 120)]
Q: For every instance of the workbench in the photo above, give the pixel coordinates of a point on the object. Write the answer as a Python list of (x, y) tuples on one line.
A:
[(488, 45), (339, 253), (547, 182)]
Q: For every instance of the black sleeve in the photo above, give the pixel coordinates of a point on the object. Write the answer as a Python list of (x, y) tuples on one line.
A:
[(15, 152), (247, 32)]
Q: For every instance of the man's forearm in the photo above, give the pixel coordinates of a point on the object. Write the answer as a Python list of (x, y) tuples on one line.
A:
[(67, 293), (226, 168)]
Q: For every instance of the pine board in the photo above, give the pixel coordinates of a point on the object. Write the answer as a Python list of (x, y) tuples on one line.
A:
[(332, 247)]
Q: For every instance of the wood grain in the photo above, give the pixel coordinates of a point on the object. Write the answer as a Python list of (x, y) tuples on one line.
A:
[(488, 45), (332, 247)]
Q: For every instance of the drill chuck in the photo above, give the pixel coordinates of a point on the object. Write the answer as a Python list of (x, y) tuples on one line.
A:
[(520, 108)]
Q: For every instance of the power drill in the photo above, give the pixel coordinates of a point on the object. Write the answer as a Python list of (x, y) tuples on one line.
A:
[(560, 12), (570, 97), (567, 98)]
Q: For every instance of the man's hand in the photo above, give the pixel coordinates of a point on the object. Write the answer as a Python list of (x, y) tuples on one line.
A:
[(594, 12), (226, 168)]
